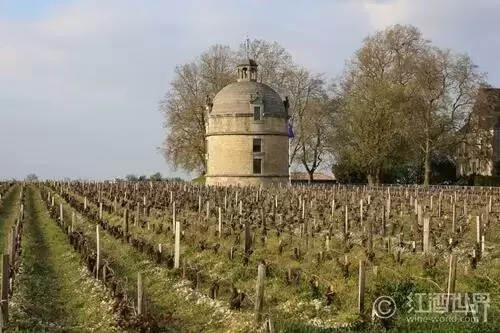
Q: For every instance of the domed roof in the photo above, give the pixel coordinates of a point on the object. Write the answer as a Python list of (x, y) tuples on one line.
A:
[(235, 98)]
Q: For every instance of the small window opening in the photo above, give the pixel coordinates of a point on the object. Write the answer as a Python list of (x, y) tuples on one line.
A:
[(257, 165), (256, 113), (257, 145)]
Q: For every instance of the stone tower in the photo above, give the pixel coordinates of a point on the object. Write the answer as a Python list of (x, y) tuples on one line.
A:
[(246, 133)]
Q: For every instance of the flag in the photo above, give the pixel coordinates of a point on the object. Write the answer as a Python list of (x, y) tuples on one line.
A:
[(290, 130)]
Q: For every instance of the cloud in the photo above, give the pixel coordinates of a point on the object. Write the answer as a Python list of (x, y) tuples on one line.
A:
[(386, 13), (80, 80), (464, 26)]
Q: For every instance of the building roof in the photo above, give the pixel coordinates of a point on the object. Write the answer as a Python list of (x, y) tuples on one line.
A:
[(317, 176), (237, 97)]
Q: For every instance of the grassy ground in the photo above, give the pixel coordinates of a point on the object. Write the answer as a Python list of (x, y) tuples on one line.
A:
[(53, 292), (198, 180), (297, 307), (174, 307)]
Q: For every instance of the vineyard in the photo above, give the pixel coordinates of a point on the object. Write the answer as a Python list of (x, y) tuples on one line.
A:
[(170, 256)]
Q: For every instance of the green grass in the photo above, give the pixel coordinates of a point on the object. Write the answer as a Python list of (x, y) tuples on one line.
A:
[(53, 291), (199, 180), (297, 309), (174, 309)]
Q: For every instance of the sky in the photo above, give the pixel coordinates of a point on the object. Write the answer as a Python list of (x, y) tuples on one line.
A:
[(80, 80)]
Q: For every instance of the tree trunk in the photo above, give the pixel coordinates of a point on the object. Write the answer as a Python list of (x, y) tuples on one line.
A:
[(373, 177), (370, 179), (427, 164), (377, 176), (311, 177)]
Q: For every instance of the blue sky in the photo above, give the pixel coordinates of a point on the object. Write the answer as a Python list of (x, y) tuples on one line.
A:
[(80, 80), (27, 9)]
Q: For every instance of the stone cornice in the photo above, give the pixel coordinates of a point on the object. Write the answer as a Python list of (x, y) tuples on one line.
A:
[(229, 115), (275, 133)]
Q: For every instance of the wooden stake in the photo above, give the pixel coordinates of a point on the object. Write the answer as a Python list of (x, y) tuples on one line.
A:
[(346, 221), (361, 287), (454, 219), (452, 271), (270, 325), (482, 244), (5, 289), (478, 232), (259, 292), (139, 294), (439, 205), (98, 245), (125, 221), (248, 238), (177, 253), (173, 218), (12, 246), (361, 211), (426, 234), (220, 222)]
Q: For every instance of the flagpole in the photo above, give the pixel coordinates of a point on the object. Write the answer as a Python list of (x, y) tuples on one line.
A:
[(289, 162)]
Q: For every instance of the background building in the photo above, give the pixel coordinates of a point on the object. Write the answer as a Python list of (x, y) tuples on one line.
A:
[(480, 151), (246, 133), (319, 178)]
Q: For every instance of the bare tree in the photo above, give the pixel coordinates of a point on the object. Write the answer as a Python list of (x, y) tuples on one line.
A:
[(277, 69), (184, 106), (313, 126), (31, 177), (275, 62), (184, 103), (301, 87), (370, 131), (445, 91), (403, 100)]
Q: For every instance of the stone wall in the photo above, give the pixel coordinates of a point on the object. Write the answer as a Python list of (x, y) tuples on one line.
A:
[(247, 181), (230, 150), (235, 123)]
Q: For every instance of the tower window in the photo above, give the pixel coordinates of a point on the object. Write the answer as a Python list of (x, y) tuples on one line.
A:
[(256, 113), (257, 145), (257, 165)]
